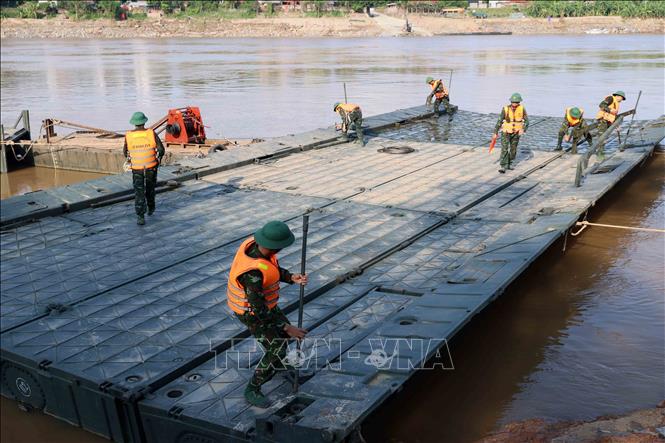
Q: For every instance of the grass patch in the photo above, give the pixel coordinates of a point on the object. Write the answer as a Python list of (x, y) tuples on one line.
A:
[(623, 8)]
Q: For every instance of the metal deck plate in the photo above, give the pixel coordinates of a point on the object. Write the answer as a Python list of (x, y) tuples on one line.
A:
[(114, 250)]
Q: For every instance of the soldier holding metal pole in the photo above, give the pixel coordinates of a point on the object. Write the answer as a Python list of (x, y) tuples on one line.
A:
[(253, 293)]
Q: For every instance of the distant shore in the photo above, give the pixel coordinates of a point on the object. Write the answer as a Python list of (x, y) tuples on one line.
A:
[(354, 25)]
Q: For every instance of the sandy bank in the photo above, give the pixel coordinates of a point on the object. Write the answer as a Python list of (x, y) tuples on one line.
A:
[(355, 25)]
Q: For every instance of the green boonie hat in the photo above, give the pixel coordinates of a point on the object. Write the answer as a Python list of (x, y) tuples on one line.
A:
[(429, 80), (336, 105), (515, 98), (138, 118), (620, 93), (576, 113), (274, 235)]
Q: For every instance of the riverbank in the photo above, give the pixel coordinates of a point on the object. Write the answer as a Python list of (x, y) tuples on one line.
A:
[(354, 25), (636, 427)]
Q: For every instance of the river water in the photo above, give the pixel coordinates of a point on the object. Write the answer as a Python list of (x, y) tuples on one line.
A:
[(580, 335)]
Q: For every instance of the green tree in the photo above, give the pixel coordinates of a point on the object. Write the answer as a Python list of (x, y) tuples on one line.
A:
[(29, 9)]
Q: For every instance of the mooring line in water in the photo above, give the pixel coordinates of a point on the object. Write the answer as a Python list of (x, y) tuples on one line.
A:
[(585, 224)]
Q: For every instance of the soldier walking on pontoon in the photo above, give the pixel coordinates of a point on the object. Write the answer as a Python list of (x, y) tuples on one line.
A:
[(351, 115), (144, 151), (573, 121), (252, 294), (513, 122), (441, 95)]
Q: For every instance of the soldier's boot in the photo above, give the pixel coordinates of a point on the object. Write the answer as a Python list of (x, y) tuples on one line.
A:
[(151, 211), (502, 170), (140, 220), (558, 147), (255, 397)]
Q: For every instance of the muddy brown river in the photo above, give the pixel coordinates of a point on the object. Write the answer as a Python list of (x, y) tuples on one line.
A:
[(580, 334)]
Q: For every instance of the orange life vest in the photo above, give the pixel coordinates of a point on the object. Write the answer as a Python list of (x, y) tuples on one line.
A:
[(142, 148), (439, 94), (348, 107), (235, 292), (609, 116), (513, 119), (572, 121)]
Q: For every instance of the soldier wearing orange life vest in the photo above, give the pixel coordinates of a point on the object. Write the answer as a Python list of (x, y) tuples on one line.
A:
[(441, 95), (253, 293), (513, 122), (573, 121), (351, 115), (607, 113), (144, 151)]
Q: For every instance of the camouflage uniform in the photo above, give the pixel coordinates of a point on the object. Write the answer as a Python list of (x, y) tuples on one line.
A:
[(509, 142), (144, 182), (603, 124), (580, 130), (438, 101), (354, 118), (266, 325)]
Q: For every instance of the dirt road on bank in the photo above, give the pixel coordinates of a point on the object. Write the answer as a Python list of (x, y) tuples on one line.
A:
[(354, 25)]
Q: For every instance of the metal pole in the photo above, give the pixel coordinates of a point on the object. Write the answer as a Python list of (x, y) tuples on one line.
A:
[(583, 162), (345, 99), (3, 150), (450, 80), (303, 260), (26, 121), (622, 147)]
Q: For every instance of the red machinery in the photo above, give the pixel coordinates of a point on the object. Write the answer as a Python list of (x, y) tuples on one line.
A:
[(184, 125)]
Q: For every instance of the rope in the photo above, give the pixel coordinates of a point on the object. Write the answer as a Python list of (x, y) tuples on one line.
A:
[(11, 144), (586, 223)]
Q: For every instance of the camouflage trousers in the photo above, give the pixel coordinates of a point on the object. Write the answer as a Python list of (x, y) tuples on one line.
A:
[(144, 189), (602, 127), (272, 339), (446, 105), (508, 148), (354, 118)]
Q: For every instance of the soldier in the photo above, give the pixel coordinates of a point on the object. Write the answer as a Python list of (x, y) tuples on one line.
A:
[(573, 119), (351, 114), (513, 122), (253, 292), (609, 108), (144, 151), (440, 92)]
